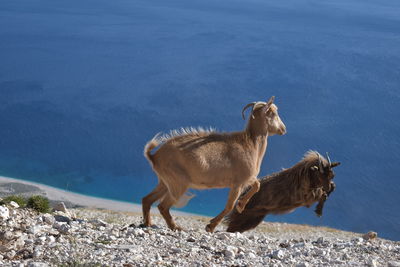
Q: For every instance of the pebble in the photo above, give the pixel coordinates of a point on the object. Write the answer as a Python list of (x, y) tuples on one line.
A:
[(60, 206), (191, 239), (48, 218), (4, 213), (251, 255), (61, 218), (229, 252), (278, 254), (372, 263), (98, 222), (88, 239), (10, 254), (38, 264), (63, 228), (14, 204), (176, 250)]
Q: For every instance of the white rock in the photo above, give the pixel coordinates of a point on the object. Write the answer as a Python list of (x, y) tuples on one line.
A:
[(38, 264), (372, 263), (60, 206), (14, 204), (37, 252), (222, 236), (98, 222), (41, 239), (48, 218), (20, 242), (10, 254), (251, 255), (176, 250), (62, 227), (35, 229), (357, 240), (139, 232), (28, 241), (346, 256), (278, 254), (299, 245), (4, 213), (393, 264), (8, 235), (320, 252), (229, 252), (303, 264)]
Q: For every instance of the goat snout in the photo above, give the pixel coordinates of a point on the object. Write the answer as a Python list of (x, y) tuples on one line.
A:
[(282, 130)]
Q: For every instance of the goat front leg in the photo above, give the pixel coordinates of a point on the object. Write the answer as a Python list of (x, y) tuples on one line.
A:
[(321, 203), (233, 196), (320, 206), (241, 204)]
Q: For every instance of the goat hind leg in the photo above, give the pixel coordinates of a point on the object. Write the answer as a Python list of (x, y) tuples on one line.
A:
[(233, 196), (148, 200), (241, 204), (164, 207)]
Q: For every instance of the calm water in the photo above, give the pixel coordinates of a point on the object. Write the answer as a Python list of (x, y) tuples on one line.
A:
[(84, 84)]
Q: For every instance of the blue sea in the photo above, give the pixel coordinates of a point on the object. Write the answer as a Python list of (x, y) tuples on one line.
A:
[(84, 84)]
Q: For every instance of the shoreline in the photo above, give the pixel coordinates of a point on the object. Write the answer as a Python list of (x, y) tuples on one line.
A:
[(14, 186), (23, 187)]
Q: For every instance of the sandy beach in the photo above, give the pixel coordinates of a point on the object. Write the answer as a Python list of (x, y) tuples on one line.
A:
[(12, 186)]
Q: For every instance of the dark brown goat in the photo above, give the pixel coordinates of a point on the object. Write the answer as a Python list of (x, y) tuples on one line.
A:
[(309, 181)]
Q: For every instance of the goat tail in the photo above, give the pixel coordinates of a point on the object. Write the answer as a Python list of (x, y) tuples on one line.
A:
[(153, 143), (241, 222)]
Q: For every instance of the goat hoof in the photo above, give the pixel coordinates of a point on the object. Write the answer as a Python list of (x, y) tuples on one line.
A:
[(209, 228), (142, 225), (177, 228)]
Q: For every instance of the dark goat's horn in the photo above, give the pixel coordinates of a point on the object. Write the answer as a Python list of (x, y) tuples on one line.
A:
[(321, 170), (247, 106)]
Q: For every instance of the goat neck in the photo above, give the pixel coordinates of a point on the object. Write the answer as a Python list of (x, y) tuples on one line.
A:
[(256, 127), (257, 133)]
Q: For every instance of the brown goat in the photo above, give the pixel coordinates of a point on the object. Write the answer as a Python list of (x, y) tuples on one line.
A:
[(309, 181), (205, 159)]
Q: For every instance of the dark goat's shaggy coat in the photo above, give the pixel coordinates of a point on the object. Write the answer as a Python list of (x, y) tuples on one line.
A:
[(303, 184)]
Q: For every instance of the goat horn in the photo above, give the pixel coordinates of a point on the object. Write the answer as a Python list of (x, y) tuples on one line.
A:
[(321, 170), (271, 100), (247, 106), (329, 160)]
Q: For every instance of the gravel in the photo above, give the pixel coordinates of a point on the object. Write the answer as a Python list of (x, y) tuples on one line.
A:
[(86, 237)]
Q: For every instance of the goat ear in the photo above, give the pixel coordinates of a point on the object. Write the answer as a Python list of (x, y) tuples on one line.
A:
[(314, 168), (335, 164)]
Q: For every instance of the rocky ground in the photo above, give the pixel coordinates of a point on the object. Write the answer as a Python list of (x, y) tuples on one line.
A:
[(84, 237)]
